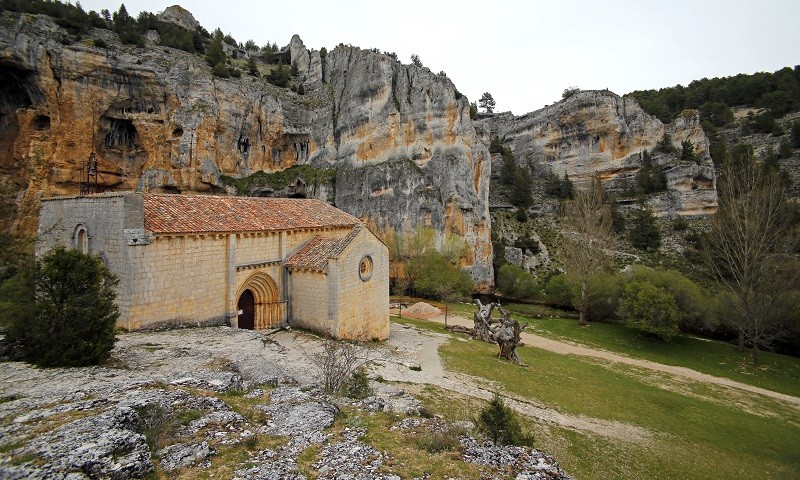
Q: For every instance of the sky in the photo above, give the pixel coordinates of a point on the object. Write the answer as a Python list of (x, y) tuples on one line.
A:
[(525, 53)]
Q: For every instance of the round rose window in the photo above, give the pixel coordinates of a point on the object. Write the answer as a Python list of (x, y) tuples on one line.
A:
[(365, 268)]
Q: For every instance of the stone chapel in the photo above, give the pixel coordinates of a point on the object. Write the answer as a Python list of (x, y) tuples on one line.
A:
[(249, 262)]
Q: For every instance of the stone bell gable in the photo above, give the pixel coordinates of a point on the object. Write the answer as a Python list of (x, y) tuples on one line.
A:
[(249, 262)]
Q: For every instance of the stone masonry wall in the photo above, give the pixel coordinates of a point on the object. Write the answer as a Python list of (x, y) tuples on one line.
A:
[(363, 311), (105, 219), (310, 308), (178, 279), (257, 247)]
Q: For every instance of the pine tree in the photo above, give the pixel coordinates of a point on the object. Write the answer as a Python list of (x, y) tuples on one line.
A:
[(501, 424), (487, 102), (62, 309), (252, 68), (215, 54), (644, 233)]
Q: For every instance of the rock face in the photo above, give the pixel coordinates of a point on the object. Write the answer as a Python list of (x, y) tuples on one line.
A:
[(600, 132), (134, 421), (179, 16), (400, 139)]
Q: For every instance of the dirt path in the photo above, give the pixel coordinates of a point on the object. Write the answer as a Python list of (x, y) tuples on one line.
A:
[(566, 348), (413, 347)]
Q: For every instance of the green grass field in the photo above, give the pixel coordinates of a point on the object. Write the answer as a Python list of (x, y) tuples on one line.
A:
[(690, 429), (780, 373)]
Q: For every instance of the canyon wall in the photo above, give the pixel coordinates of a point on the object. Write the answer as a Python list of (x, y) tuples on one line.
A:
[(399, 138), (598, 132)]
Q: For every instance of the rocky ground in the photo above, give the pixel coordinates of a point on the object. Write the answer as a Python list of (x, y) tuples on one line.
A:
[(223, 403)]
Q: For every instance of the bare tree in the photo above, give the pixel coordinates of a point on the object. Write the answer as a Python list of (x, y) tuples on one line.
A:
[(337, 361), (586, 225), (505, 332), (746, 248)]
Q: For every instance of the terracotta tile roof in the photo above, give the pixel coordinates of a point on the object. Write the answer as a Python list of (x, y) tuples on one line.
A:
[(314, 255), (206, 213)]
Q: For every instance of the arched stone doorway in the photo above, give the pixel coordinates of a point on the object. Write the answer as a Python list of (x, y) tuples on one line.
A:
[(260, 293), (247, 310)]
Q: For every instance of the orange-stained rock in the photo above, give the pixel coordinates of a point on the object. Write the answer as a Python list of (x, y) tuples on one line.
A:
[(598, 132), (402, 145)]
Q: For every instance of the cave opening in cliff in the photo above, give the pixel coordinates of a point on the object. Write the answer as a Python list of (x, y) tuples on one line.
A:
[(17, 90), (120, 134), (41, 122)]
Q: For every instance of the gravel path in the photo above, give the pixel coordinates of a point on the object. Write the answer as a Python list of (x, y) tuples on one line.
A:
[(566, 348), (420, 348)]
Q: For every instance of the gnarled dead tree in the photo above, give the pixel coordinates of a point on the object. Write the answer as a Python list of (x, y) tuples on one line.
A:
[(508, 336), (505, 332), (483, 321)]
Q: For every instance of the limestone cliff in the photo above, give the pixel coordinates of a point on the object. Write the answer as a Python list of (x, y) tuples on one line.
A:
[(400, 139), (600, 132)]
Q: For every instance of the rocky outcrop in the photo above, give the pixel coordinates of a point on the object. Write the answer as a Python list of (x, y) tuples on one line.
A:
[(134, 421), (600, 132), (400, 139), (179, 16)]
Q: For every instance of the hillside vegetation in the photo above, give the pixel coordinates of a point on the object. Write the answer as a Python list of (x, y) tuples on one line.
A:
[(778, 93)]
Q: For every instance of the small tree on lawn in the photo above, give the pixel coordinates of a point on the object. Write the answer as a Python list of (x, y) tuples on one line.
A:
[(62, 309), (501, 424)]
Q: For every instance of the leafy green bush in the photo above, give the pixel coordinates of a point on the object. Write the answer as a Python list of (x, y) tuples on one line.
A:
[(279, 76), (501, 424), (515, 282), (605, 297), (665, 144), (435, 277), (691, 299), (680, 224), (651, 177), (561, 188), (687, 151), (221, 70), (764, 123), (71, 319), (650, 309), (557, 292), (525, 242), (214, 53), (356, 386)]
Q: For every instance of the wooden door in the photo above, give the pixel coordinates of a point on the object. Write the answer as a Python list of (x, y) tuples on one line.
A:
[(247, 309)]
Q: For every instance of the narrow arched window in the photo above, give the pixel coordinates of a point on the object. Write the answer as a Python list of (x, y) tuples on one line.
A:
[(81, 239)]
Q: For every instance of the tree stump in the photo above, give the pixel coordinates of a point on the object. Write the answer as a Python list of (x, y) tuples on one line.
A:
[(508, 337), (483, 320)]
